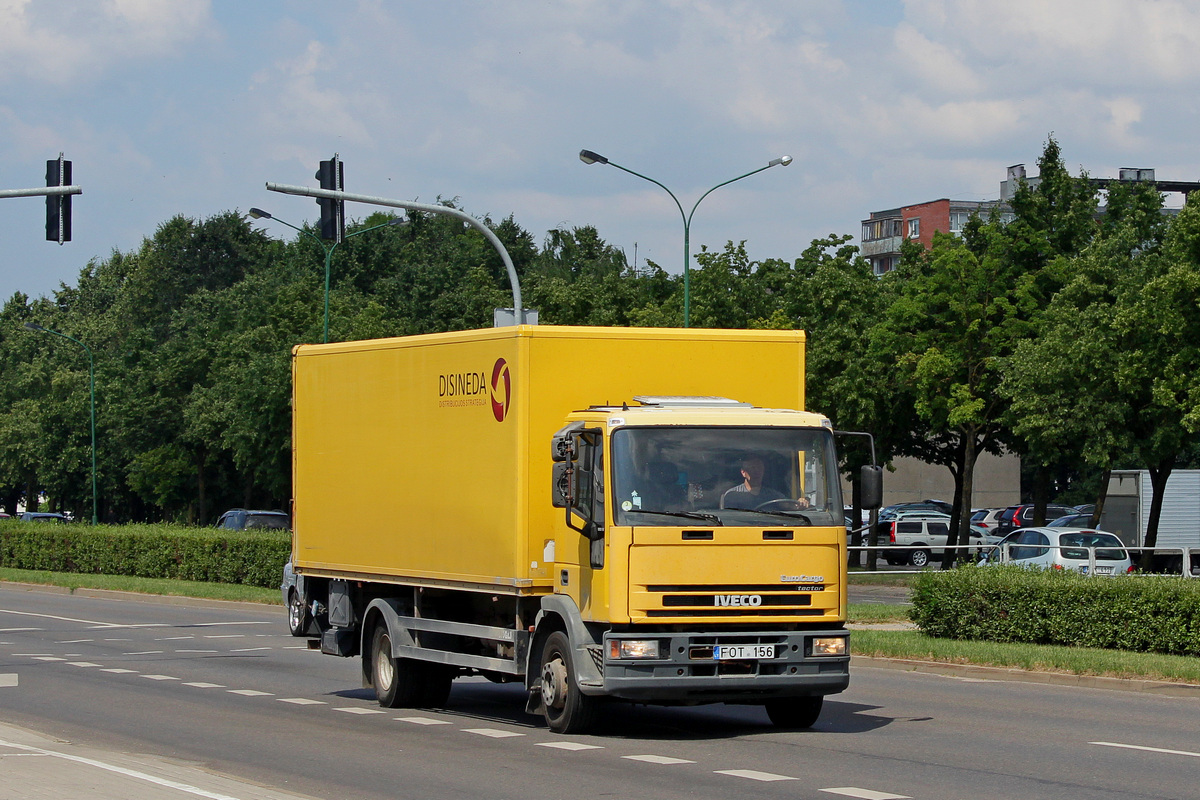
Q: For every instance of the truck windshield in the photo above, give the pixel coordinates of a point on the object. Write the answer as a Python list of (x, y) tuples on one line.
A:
[(728, 476)]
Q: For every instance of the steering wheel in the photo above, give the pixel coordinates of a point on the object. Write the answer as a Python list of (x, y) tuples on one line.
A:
[(784, 504)]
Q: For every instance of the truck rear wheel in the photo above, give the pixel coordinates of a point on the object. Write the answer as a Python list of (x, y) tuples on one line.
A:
[(397, 680), (567, 710), (298, 617), (795, 713)]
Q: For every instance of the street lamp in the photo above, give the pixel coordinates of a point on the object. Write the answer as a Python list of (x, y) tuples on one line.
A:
[(33, 326), (589, 157), (258, 213)]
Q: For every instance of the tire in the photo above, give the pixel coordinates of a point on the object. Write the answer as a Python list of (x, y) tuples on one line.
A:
[(795, 713), (298, 616), (919, 558), (567, 710), (397, 680)]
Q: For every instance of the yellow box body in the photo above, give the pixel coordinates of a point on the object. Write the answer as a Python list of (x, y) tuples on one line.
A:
[(426, 459)]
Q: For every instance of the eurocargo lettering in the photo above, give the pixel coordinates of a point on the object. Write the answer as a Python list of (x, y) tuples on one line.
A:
[(598, 514)]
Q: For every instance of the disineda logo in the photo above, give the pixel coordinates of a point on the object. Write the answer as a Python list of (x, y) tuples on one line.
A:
[(501, 389), (737, 600)]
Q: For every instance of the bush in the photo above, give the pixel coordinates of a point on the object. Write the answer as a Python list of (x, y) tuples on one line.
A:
[(1014, 604), (252, 558)]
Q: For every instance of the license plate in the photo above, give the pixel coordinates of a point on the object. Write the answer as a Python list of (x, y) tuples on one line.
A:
[(743, 652), (1104, 570)]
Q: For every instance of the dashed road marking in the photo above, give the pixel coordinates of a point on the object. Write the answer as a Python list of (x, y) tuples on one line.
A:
[(865, 794), (652, 759), (225, 636), (48, 658), (1148, 749), (120, 671), (8, 679), (423, 721), (302, 701), (18, 630), (171, 638), (570, 746), (754, 775), (250, 693), (249, 649), (29, 655), (161, 677), (82, 664), (144, 653), (76, 641), (358, 710), (492, 733), (203, 685)]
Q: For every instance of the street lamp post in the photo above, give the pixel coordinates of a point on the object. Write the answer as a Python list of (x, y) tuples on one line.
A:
[(589, 157), (258, 213), (33, 326)]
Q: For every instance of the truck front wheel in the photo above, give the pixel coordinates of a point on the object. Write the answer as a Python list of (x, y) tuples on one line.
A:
[(567, 710), (397, 681), (795, 713)]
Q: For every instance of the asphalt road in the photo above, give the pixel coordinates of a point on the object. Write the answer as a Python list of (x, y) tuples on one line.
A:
[(224, 689)]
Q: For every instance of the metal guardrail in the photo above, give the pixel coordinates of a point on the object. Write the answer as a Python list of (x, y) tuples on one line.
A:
[(1182, 561)]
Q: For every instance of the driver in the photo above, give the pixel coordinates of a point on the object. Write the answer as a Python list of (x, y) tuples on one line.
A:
[(750, 493)]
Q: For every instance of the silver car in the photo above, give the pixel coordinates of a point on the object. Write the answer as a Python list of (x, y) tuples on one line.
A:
[(1083, 550)]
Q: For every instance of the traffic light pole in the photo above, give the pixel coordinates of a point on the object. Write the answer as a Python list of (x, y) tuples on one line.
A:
[(305, 191), (41, 191)]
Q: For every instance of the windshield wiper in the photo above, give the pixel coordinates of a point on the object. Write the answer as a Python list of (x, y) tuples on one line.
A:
[(685, 514), (792, 514)]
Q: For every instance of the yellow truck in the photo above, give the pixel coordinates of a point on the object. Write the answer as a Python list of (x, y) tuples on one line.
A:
[(599, 513)]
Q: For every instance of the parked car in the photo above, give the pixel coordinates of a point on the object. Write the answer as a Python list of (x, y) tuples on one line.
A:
[(299, 616), (986, 518), (920, 533), (1071, 521), (1068, 548), (1021, 516), (934, 506), (239, 519), (43, 516)]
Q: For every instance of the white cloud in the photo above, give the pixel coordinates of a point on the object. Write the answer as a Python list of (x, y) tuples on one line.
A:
[(61, 41)]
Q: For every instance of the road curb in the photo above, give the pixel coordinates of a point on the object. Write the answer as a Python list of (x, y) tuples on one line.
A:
[(1163, 688), (167, 599)]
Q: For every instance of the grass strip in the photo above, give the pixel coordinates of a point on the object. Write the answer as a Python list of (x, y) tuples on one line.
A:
[(161, 586), (877, 613), (1034, 657)]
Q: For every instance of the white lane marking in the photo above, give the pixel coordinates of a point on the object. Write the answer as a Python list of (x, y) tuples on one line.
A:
[(203, 685), (119, 671), (18, 630), (570, 746), (249, 649), (492, 733), (356, 710), (753, 775), (865, 794), (76, 641), (423, 721), (82, 664), (651, 759), (8, 679), (161, 677), (171, 638), (297, 647), (29, 655), (129, 773), (48, 658), (250, 693), (195, 651), (144, 653), (303, 701), (1148, 749), (225, 636), (236, 622), (118, 640), (91, 622)]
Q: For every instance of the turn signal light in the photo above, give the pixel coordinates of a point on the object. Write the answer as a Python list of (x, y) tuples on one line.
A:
[(829, 646)]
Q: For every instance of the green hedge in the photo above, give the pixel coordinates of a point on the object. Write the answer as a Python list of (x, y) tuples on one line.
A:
[(252, 558), (1013, 604)]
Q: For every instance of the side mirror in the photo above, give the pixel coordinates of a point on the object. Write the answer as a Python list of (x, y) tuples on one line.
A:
[(871, 487), (561, 490)]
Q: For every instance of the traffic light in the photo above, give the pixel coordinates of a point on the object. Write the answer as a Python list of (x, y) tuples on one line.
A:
[(58, 207), (333, 212)]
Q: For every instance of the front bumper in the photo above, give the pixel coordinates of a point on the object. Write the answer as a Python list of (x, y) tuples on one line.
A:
[(689, 673)]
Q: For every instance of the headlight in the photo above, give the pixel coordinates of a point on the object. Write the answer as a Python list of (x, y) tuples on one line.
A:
[(634, 648), (829, 646)]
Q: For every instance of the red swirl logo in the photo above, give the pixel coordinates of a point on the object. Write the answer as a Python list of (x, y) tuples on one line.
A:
[(501, 389)]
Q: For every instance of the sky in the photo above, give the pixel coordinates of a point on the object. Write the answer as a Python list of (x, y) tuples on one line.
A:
[(169, 107)]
